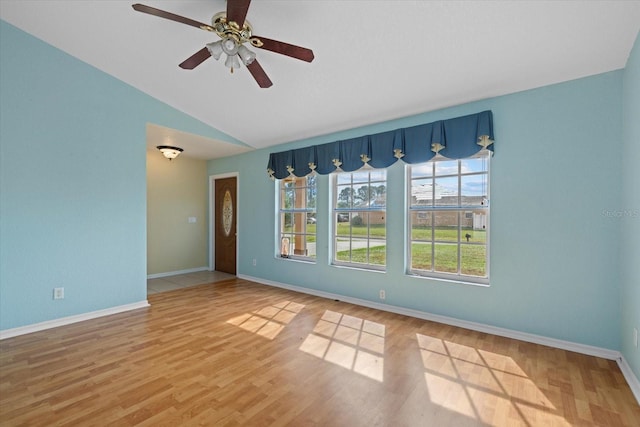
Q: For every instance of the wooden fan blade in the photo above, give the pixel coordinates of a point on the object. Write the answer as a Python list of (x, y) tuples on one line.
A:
[(258, 73), (237, 11), (283, 48), (196, 59), (170, 16)]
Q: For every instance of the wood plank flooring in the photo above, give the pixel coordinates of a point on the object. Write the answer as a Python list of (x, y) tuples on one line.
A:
[(237, 353)]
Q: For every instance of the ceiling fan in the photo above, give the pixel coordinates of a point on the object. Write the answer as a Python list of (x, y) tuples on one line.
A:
[(234, 31)]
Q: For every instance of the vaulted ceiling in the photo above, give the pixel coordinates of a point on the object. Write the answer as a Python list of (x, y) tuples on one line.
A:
[(374, 60)]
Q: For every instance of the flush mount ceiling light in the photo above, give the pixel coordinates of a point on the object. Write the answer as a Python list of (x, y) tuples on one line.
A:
[(170, 152)]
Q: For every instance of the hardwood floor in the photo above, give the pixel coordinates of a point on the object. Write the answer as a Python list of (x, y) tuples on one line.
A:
[(237, 353)]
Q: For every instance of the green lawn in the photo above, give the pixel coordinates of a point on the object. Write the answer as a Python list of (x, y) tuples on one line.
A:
[(446, 258), (377, 255), (375, 230), (448, 234)]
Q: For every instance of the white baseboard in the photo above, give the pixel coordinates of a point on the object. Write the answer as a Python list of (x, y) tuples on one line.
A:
[(173, 273), (632, 380), (8, 333), (480, 327)]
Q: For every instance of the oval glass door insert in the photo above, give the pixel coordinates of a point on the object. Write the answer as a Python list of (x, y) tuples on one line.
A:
[(227, 213)]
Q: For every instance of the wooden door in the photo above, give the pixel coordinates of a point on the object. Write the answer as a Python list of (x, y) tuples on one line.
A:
[(225, 225)]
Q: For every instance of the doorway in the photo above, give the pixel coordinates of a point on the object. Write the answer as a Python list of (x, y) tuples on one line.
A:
[(224, 214)]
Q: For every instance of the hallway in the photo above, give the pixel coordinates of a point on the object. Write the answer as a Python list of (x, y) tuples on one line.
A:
[(181, 281)]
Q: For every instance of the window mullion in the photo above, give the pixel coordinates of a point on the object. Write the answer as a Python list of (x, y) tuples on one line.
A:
[(368, 214), (433, 240), (351, 233), (433, 217), (458, 244), (459, 249)]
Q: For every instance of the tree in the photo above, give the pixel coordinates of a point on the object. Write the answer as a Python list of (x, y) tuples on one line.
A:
[(312, 191), (362, 195), (345, 197)]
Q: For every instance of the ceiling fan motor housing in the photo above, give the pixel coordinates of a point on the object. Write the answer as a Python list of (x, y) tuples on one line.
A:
[(231, 30)]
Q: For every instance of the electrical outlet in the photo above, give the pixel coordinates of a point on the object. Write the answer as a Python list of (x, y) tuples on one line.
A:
[(383, 294), (635, 337), (254, 262), (58, 293)]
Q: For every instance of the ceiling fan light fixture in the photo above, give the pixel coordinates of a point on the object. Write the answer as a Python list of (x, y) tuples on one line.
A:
[(232, 62), (246, 55), (215, 49), (169, 151), (230, 46)]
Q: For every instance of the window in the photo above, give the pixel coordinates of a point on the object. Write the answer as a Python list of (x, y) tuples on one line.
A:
[(297, 218), (449, 219), (360, 200)]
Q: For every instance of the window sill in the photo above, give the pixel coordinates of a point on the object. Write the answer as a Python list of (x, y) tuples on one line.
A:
[(297, 259), (359, 267), (454, 281)]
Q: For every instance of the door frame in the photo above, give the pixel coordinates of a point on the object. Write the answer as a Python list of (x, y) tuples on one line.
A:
[(212, 216)]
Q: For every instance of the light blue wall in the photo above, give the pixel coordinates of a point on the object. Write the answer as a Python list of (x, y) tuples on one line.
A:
[(554, 255), (630, 210), (72, 183), (72, 203)]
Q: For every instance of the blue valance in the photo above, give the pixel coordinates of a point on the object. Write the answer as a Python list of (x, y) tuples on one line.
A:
[(456, 138)]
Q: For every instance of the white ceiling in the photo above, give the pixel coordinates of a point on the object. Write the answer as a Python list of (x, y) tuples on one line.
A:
[(374, 60), (195, 146)]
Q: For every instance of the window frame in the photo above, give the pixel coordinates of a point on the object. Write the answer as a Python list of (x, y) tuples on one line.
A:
[(281, 232), (336, 213), (461, 209)]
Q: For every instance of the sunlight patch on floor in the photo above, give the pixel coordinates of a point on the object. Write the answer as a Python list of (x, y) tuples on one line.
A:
[(269, 321), (462, 378), (350, 342)]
